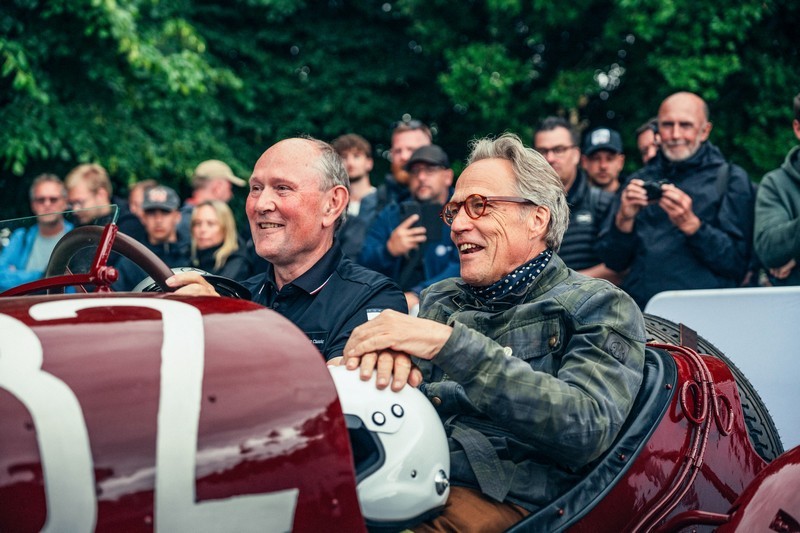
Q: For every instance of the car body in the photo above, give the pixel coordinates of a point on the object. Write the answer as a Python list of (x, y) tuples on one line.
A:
[(155, 411)]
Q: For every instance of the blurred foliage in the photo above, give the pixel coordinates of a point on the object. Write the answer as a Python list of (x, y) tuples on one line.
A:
[(149, 88)]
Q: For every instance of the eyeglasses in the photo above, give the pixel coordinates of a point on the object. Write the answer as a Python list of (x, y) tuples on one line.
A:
[(475, 206), (557, 151), (47, 199)]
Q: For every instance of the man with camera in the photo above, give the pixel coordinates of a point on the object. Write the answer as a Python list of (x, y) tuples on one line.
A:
[(408, 241), (685, 221)]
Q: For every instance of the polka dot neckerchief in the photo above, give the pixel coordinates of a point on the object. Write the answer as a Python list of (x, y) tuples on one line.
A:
[(519, 278)]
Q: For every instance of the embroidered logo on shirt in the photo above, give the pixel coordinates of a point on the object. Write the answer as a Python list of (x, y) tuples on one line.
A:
[(317, 338), (373, 313), (617, 347)]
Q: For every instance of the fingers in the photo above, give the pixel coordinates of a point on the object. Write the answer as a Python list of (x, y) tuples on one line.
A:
[(390, 367), (180, 280), (415, 377), (191, 284), (402, 369), (386, 368), (404, 239), (365, 364)]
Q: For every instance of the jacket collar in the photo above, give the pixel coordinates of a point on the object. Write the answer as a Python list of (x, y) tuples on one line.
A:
[(579, 189)]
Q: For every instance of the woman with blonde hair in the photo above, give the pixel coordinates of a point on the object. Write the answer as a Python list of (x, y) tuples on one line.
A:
[(215, 246)]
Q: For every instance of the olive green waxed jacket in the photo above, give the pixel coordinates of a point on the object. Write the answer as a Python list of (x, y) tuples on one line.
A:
[(535, 386)]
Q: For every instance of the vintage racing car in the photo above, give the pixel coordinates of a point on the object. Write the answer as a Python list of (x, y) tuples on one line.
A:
[(151, 411)]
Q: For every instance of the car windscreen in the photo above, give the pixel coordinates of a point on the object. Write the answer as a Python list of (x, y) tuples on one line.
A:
[(27, 243)]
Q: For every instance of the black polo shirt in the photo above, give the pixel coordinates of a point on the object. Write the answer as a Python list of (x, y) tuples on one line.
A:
[(329, 300)]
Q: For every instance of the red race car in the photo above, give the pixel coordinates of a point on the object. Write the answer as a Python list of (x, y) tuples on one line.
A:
[(146, 410)]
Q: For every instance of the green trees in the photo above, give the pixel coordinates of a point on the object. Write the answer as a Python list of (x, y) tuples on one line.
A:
[(150, 88)]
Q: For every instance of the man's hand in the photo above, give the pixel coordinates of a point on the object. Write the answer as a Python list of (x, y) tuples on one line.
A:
[(404, 238), (386, 343), (678, 206), (783, 271), (191, 284), (633, 199)]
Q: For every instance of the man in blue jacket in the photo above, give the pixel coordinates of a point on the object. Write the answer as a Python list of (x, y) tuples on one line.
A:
[(685, 221), (407, 241), (28, 252)]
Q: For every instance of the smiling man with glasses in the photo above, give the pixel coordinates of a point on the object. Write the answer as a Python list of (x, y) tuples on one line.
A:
[(684, 221), (558, 141), (28, 252), (532, 367)]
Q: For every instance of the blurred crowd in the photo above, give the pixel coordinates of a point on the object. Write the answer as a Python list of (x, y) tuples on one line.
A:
[(687, 219)]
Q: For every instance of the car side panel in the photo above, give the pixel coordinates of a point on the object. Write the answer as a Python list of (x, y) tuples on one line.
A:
[(151, 412)]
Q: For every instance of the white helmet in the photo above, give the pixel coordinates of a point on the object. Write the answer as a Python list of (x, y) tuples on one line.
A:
[(400, 449)]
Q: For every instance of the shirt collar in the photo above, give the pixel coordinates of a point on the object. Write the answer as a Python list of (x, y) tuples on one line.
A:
[(314, 279)]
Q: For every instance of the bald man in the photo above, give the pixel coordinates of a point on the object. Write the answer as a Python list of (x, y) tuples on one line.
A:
[(685, 221), (298, 196)]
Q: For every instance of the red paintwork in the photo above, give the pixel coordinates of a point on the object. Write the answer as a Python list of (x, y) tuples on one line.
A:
[(266, 393), (772, 501), (270, 421), (729, 463)]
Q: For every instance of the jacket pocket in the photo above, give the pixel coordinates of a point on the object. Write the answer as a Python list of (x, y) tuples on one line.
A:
[(539, 342)]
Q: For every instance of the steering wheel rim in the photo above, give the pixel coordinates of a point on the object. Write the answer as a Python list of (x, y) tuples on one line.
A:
[(89, 237)]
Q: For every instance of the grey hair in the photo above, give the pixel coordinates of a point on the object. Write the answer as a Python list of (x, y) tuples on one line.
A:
[(535, 179), (332, 171), (45, 178)]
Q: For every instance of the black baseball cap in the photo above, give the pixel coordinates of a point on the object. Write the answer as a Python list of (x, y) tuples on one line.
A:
[(160, 197), (602, 139), (431, 154)]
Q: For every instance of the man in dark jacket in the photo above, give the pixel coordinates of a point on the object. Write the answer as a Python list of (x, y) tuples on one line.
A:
[(685, 221), (558, 141), (298, 195), (161, 216), (603, 158), (777, 224), (532, 367), (398, 243)]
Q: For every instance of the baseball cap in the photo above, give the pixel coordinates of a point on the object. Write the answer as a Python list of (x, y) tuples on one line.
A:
[(160, 197), (602, 139), (214, 169), (431, 154)]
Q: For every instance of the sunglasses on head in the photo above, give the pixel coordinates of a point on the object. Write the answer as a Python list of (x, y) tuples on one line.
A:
[(411, 124)]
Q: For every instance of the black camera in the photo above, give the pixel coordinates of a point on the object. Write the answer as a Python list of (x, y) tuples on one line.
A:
[(653, 189)]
